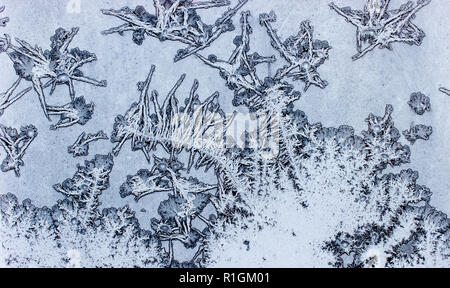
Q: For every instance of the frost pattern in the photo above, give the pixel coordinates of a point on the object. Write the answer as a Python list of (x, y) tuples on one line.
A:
[(148, 124), (74, 232), (81, 145), (324, 192), (15, 143), (361, 216), (377, 26), (175, 20), (301, 52), (57, 66)]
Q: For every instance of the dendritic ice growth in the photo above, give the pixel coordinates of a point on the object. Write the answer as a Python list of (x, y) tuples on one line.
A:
[(75, 112), (149, 122), (15, 144), (81, 145), (303, 54), (377, 26), (57, 66), (74, 232), (175, 20)]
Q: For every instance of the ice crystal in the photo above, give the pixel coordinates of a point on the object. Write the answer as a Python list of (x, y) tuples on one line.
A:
[(445, 91), (303, 54), (148, 123), (239, 70), (175, 20), (3, 20), (74, 233), (196, 128), (419, 103), (187, 200), (81, 145), (75, 112), (15, 143), (377, 26), (416, 132), (57, 66)]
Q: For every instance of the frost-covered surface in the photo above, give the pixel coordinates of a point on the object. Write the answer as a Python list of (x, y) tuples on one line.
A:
[(305, 189), (75, 232)]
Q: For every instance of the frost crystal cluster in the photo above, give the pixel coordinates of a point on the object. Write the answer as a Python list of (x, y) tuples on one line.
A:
[(329, 195), (377, 26), (15, 143), (74, 232), (175, 20), (49, 69)]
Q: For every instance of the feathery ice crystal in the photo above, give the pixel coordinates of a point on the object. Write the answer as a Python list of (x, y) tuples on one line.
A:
[(75, 112), (335, 202), (175, 20), (58, 66), (377, 26), (303, 54), (74, 232), (148, 123), (81, 145), (15, 143), (361, 217), (195, 129)]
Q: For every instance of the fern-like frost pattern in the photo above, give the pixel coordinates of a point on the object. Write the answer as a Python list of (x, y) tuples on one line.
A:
[(331, 196)]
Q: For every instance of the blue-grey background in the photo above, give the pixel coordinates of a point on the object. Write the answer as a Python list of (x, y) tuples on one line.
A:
[(356, 88)]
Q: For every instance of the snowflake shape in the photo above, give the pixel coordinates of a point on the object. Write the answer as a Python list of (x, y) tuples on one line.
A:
[(59, 66), (301, 52), (75, 112), (175, 20), (379, 27), (239, 70)]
